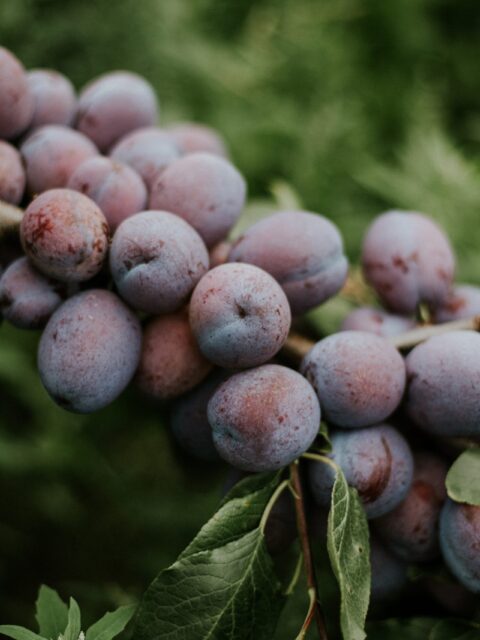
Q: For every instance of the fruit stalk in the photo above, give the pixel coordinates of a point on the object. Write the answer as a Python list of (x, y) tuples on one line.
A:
[(10, 217), (315, 611)]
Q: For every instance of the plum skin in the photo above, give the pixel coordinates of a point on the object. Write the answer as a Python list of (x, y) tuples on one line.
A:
[(54, 98), (264, 418), (148, 151), (303, 251), (463, 302), (389, 574), (441, 371), (359, 377), (27, 297), (410, 531), (189, 421), (114, 104), (89, 351), (116, 188), (16, 100), (156, 259), (65, 235), (408, 260), (460, 541), (204, 189), (376, 321), (377, 461), (239, 316), (12, 174), (51, 154), (171, 362), (192, 137)]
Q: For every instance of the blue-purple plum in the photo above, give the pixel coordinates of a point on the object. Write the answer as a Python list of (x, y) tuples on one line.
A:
[(51, 154), (264, 418), (16, 100), (460, 542), (239, 316), (463, 302), (443, 392), (389, 574), (12, 174), (192, 137), (27, 297), (54, 99), (303, 251), (156, 259), (115, 187), (114, 104), (376, 321), (359, 377), (65, 235), (89, 351), (410, 531), (204, 189), (171, 362), (189, 421), (376, 461), (408, 260), (148, 150)]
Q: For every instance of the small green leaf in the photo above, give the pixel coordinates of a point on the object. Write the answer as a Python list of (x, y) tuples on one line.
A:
[(463, 479), (51, 613), (18, 633), (74, 624), (408, 629), (326, 445), (111, 624), (223, 586), (349, 551)]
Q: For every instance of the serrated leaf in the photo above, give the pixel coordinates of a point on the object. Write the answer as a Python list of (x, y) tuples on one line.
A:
[(463, 479), (111, 624), (454, 630), (349, 552), (399, 629), (51, 613), (223, 586), (74, 624), (18, 633)]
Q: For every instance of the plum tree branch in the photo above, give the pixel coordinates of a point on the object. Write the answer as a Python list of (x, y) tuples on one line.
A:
[(315, 611), (297, 346), (10, 217)]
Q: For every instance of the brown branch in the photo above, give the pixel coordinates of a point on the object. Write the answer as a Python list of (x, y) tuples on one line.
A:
[(10, 218), (297, 346), (315, 610)]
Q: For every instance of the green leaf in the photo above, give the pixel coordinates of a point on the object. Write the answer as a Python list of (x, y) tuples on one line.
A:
[(349, 552), (111, 624), (18, 633), (394, 629), (74, 624), (463, 479), (326, 445), (223, 586), (51, 613), (454, 630)]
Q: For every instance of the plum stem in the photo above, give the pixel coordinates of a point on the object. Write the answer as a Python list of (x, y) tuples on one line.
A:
[(314, 611), (10, 217), (297, 346)]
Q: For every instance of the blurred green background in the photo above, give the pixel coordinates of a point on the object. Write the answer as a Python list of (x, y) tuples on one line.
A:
[(356, 105)]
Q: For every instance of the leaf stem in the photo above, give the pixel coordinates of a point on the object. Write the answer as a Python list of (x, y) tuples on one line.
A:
[(296, 575), (10, 217), (315, 610), (319, 458), (271, 504)]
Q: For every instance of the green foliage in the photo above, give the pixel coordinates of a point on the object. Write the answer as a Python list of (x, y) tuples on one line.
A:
[(423, 629), (56, 621), (349, 551), (463, 479), (223, 586), (51, 613)]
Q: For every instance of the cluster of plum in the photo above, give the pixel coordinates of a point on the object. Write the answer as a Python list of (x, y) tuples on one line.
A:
[(127, 267)]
